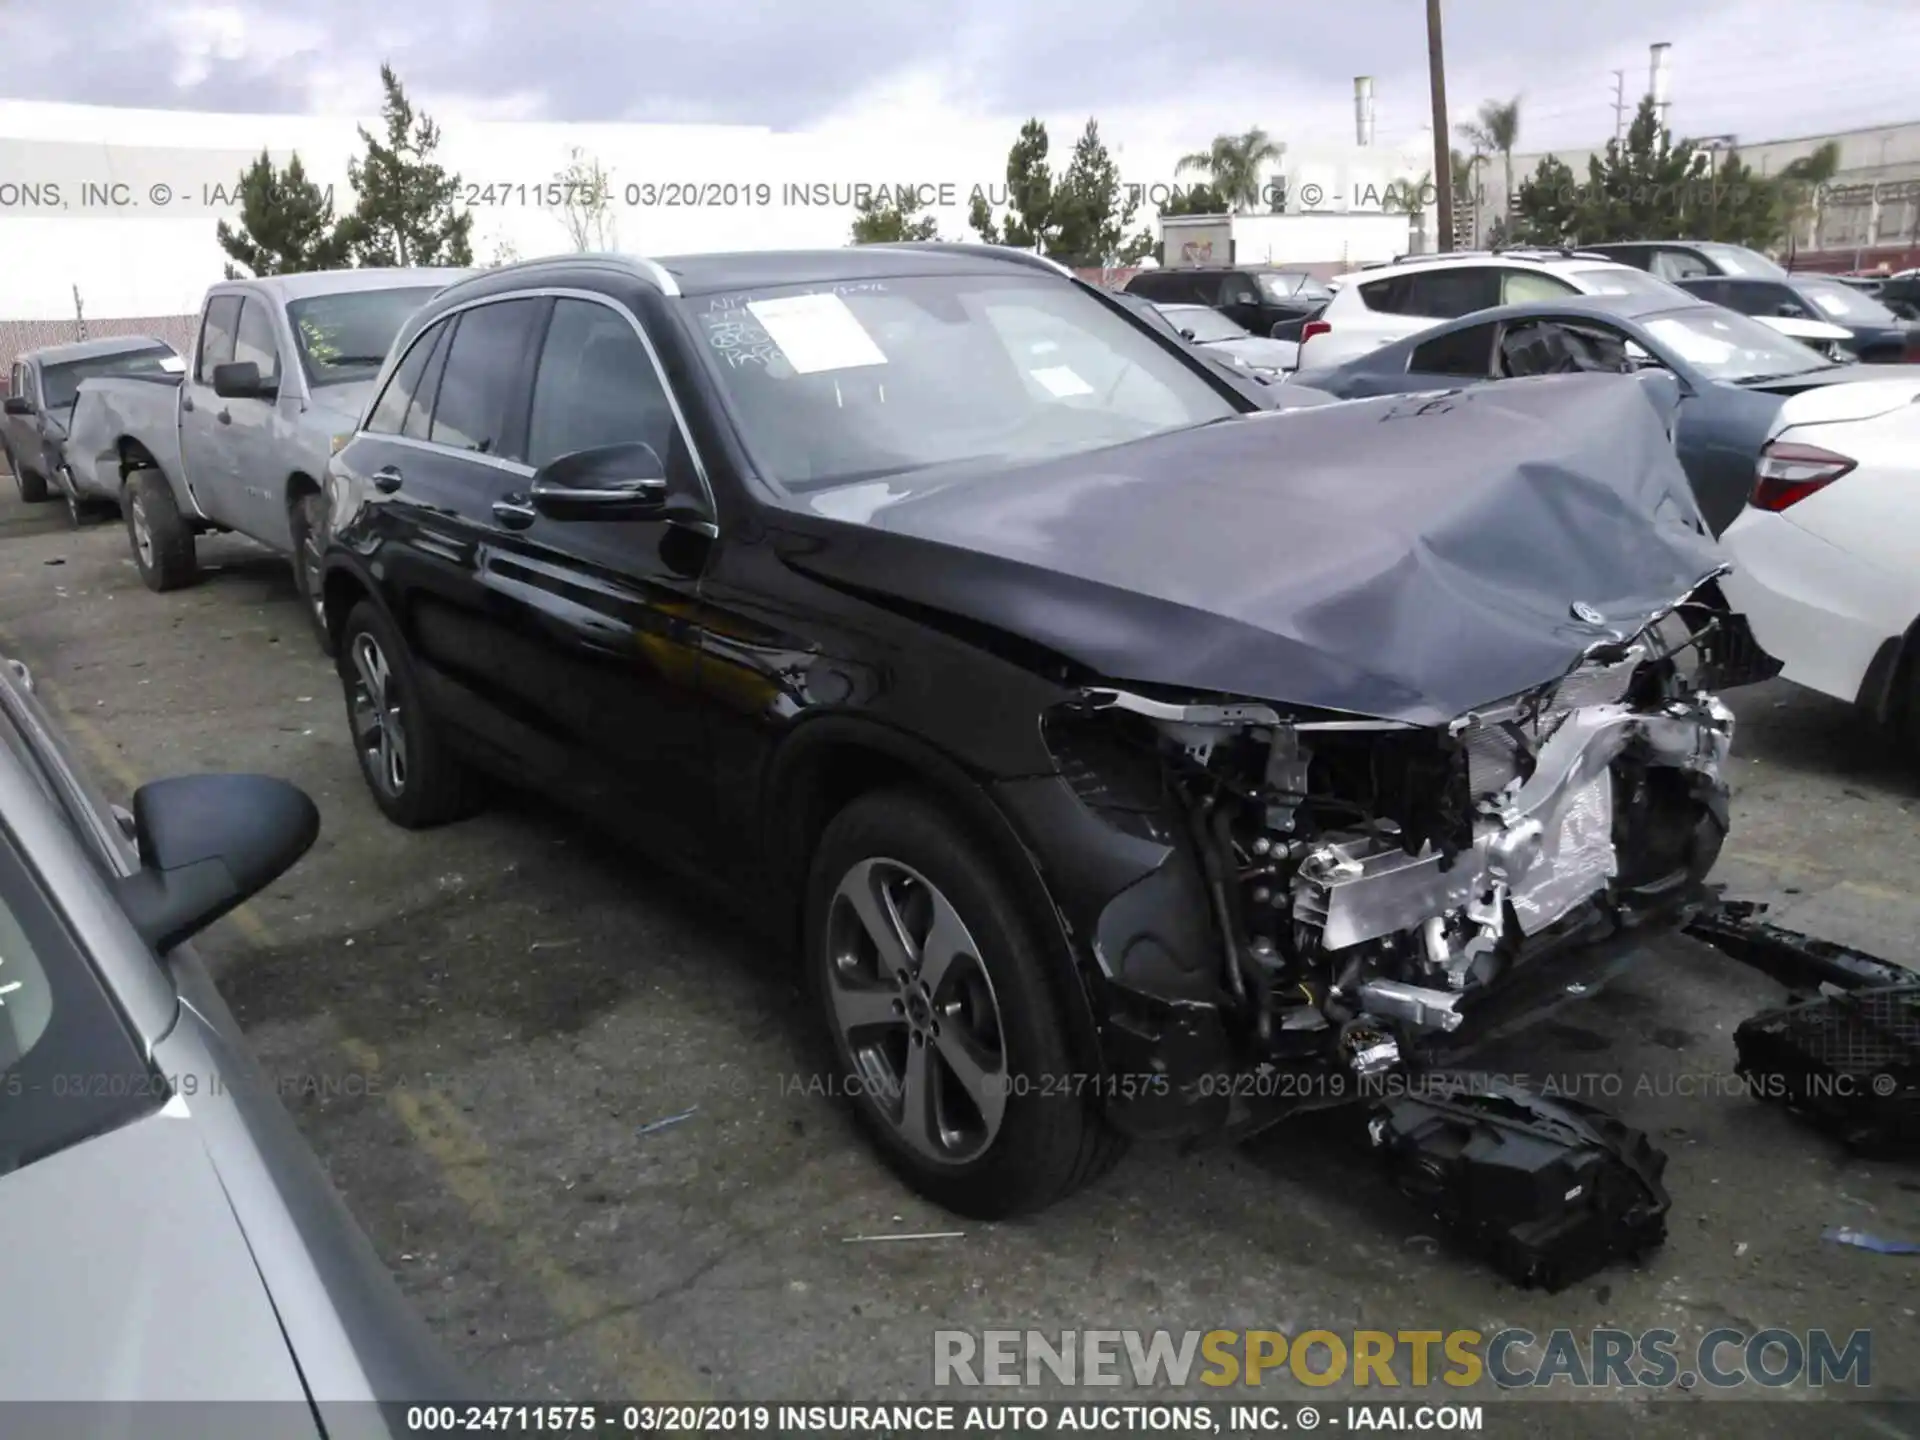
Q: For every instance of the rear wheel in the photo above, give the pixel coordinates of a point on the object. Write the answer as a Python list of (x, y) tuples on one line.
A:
[(416, 779), (309, 527), (949, 1040), (162, 541)]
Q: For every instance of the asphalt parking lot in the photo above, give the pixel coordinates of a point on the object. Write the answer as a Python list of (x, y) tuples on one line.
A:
[(477, 1028)]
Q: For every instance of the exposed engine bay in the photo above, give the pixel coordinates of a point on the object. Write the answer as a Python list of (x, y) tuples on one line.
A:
[(1367, 879)]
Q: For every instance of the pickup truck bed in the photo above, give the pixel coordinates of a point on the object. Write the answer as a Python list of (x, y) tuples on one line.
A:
[(113, 413)]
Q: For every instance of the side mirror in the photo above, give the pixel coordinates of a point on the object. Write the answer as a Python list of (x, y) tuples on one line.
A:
[(609, 482), (240, 380), (1186, 334), (208, 843), (1787, 310), (19, 405)]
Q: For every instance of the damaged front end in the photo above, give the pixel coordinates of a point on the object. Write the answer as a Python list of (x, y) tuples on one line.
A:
[(1366, 882)]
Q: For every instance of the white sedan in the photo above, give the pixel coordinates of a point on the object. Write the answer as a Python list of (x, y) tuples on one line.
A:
[(1827, 552)]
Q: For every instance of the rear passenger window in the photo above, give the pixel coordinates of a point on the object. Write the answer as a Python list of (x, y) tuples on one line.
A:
[(596, 386), (479, 394), (1456, 290), (216, 336), (1390, 296), (419, 422), (392, 406), (1467, 352)]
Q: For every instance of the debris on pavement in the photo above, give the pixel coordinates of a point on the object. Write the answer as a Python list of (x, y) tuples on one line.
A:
[(924, 1235), (1800, 962), (1842, 1235), (1850, 1062), (653, 1125), (1548, 1189)]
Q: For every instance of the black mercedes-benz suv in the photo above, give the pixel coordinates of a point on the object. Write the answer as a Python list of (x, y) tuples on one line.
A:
[(1097, 739)]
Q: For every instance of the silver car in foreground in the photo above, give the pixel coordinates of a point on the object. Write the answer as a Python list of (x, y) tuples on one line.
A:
[(168, 1234)]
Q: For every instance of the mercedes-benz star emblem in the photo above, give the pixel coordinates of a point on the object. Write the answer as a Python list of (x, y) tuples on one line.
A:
[(1584, 611)]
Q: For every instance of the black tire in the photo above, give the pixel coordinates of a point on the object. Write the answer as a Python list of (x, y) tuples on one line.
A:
[(33, 485), (162, 542), (433, 785), (308, 517), (1050, 1139)]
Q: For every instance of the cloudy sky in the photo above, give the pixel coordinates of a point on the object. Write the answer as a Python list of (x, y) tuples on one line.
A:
[(1758, 69)]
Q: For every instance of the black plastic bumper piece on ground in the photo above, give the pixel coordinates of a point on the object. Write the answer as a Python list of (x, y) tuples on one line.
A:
[(1799, 962), (1849, 1062), (1548, 1189)]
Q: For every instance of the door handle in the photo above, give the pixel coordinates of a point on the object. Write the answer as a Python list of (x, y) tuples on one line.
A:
[(514, 512), (386, 479), (186, 403), (225, 417)]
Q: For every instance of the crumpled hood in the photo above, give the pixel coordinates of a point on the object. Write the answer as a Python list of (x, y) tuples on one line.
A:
[(345, 401), (1409, 558)]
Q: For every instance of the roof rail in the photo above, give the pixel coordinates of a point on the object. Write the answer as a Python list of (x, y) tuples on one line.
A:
[(1010, 253), (652, 269)]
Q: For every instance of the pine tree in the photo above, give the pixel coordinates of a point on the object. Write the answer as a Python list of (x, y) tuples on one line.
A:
[(405, 214), (286, 223)]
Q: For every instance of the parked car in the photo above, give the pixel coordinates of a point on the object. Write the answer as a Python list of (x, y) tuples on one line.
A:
[(1827, 554), (1069, 715), (175, 1239), (1266, 300), (1900, 293), (1376, 307), (1733, 372), (281, 367), (1207, 327), (1876, 334), (1689, 259), (41, 391)]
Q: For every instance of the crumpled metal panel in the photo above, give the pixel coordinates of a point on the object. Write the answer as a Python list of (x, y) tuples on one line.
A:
[(1576, 860)]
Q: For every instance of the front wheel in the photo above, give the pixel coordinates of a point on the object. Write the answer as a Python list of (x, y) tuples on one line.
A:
[(309, 527), (416, 780), (948, 1035), (162, 541)]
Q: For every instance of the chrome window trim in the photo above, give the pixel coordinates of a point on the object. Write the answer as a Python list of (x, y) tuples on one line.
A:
[(551, 292)]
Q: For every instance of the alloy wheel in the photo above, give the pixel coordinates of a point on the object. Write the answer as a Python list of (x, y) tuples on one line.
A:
[(142, 531), (379, 731), (916, 1011)]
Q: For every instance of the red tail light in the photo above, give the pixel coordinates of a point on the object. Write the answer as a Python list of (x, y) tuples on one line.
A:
[(1789, 473), (1313, 328)]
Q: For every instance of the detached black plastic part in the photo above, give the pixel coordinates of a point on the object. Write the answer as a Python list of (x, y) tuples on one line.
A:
[(207, 843), (1799, 962), (1548, 1189), (1849, 1062)]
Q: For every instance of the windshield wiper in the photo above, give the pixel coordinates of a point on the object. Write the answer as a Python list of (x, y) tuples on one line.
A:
[(1785, 374), (354, 360)]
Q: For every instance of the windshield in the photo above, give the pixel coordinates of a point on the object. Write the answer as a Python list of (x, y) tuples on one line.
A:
[(1207, 325), (1842, 302), (1289, 285), (1739, 260), (69, 1067), (345, 337), (1723, 345), (61, 383), (835, 384), (1622, 280)]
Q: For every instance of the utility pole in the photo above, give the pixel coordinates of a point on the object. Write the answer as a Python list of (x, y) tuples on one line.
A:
[(1442, 150), (1620, 105), (79, 316)]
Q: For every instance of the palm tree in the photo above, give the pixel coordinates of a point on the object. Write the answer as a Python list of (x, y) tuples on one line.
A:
[(1466, 186), (1232, 166), (1496, 132), (1804, 180)]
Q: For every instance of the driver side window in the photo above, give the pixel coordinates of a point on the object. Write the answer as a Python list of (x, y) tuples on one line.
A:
[(1466, 353)]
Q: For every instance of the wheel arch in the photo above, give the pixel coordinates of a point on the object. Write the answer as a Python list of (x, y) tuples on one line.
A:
[(344, 585), (830, 762)]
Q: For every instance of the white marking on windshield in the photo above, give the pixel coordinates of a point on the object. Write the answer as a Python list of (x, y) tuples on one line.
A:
[(816, 333), (1062, 380)]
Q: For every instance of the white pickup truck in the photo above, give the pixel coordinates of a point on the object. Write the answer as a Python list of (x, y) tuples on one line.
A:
[(240, 440)]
